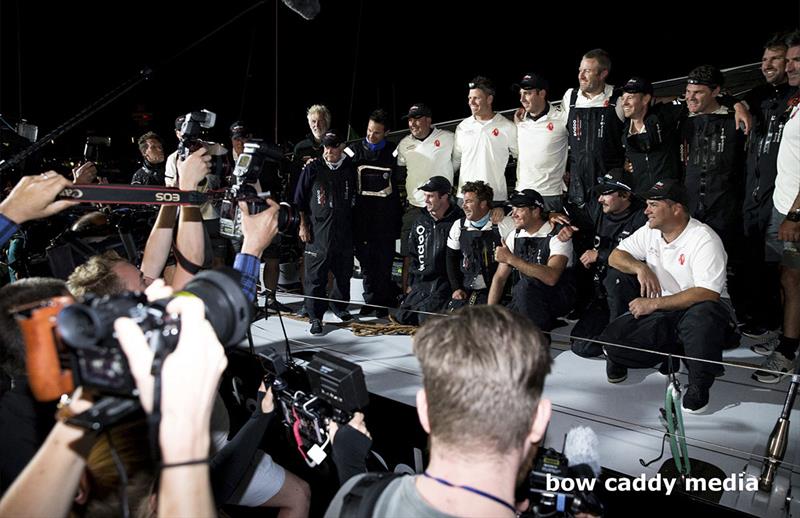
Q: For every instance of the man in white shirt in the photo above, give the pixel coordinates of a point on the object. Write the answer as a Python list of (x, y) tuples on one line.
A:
[(783, 233), (424, 153), (471, 243), (543, 289), (484, 141), (542, 142), (680, 266)]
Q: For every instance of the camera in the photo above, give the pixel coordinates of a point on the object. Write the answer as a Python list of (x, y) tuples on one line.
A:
[(191, 129), (256, 157), (550, 463), (73, 344), (327, 387)]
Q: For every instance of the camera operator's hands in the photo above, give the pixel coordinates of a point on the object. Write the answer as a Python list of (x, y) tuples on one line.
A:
[(189, 379), (84, 174), (34, 197), (194, 169), (357, 423), (258, 229), (268, 402)]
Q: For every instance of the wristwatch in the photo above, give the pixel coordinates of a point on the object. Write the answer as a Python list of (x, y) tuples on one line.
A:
[(793, 216)]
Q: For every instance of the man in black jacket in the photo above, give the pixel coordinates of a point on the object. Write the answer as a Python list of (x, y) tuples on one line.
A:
[(378, 213), (427, 244), (767, 103), (325, 197), (621, 214)]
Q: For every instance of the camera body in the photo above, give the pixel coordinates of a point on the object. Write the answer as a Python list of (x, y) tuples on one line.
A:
[(543, 502), (192, 128), (256, 156), (328, 387), (73, 344)]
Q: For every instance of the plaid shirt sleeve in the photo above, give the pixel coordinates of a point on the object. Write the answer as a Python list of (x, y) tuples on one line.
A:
[(247, 265), (7, 229)]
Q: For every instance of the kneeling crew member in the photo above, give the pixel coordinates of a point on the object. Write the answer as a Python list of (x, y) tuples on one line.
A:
[(471, 243), (677, 271), (543, 290), (427, 245)]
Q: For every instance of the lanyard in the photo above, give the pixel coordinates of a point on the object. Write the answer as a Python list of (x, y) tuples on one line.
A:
[(473, 490)]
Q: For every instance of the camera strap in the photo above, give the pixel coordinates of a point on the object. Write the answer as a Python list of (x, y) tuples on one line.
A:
[(132, 194)]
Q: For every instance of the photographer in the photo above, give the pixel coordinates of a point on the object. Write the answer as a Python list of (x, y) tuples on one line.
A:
[(483, 372), (109, 273), (152, 171), (24, 422), (189, 379)]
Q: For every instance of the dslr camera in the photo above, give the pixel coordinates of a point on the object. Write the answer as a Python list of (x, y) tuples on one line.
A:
[(327, 387), (73, 344), (256, 157)]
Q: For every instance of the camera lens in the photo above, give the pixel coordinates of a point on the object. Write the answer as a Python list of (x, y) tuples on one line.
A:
[(228, 310), (288, 219)]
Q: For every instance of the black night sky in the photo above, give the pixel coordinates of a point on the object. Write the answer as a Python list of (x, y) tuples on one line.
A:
[(59, 58)]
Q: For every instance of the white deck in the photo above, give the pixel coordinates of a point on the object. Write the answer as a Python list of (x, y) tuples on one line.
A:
[(625, 416)]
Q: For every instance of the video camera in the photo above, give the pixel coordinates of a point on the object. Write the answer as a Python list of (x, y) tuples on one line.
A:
[(544, 502), (326, 388), (69, 344), (256, 156)]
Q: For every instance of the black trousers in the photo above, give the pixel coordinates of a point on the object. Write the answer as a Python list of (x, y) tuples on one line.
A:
[(318, 261), (375, 257), (541, 303), (430, 296), (700, 331)]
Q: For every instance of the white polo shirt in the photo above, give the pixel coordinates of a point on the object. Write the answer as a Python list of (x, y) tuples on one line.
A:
[(481, 151), (424, 159), (787, 183), (557, 247), (543, 148), (598, 101), (696, 259)]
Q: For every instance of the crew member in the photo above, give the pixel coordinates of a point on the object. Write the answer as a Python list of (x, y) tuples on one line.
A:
[(471, 242), (427, 243), (543, 288), (152, 171), (325, 196)]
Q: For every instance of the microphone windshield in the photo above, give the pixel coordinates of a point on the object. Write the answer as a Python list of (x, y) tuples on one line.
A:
[(582, 447)]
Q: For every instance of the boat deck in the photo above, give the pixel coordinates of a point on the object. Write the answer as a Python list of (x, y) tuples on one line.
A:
[(625, 416)]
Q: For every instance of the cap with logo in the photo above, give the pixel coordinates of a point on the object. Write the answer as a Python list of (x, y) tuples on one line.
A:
[(417, 110), (615, 180), (531, 81), (638, 85), (331, 139), (667, 190), (526, 198), (438, 184)]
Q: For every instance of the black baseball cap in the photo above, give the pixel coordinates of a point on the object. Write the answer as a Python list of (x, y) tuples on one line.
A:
[(179, 122), (531, 81), (614, 180), (331, 139), (667, 190), (638, 85), (239, 129), (526, 198), (438, 184), (707, 75), (418, 110)]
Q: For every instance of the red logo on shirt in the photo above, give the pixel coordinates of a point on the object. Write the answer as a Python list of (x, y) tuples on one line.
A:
[(437, 143), (495, 132), (605, 104), (549, 126), (682, 259)]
